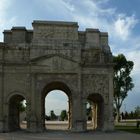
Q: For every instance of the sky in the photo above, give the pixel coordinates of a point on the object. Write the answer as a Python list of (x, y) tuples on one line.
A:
[(120, 18), (57, 101)]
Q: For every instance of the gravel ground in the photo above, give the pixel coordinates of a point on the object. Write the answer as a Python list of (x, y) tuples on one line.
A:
[(67, 135), (64, 134)]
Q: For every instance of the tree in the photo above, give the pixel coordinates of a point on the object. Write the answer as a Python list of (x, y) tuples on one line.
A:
[(122, 114), (131, 115), (21, 106), (47, 117), (89, 111), (122, 81), (52, 115), (137, 112), (126, 115), (63, 115)]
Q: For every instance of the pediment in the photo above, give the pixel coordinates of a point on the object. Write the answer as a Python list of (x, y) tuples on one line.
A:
[(56, 62)]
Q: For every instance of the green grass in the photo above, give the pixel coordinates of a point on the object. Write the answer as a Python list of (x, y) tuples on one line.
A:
[(131, 129), (130, 121)]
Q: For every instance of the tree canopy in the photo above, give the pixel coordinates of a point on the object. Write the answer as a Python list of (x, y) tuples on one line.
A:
[(53, 115), (63, 115), (21, 106), (122, 80)]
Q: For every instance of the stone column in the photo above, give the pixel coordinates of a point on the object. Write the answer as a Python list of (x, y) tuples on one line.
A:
[(111, 98), (39, 105), (1, 94), (94, 115), (28, 114), (84, 113), (78, 105), (40, 111), (100, 116), (78, 122), (69, 114), (1, 105), (6, 116), (108, 108), (31, 111), (106, 118)]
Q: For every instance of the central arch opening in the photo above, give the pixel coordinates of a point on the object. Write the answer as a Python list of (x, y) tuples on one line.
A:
[(57, 104), (56, 110)]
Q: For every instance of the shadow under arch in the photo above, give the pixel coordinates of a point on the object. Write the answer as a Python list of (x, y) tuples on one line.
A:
[(14, 101), (14, 93), (56, 85), (97, 110)]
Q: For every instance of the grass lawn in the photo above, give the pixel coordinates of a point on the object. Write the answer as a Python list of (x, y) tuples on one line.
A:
[(131, 129)]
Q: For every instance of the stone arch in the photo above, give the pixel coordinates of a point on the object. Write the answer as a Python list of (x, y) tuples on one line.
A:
[(13, 101), (11, 94), (68, 62), (97, 108), (57, 85)]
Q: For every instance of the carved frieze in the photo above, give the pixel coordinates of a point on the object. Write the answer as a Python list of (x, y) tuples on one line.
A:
[(56, 63)]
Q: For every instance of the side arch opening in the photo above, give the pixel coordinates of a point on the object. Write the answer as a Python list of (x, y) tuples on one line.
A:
[(95, 112), (17, 113)]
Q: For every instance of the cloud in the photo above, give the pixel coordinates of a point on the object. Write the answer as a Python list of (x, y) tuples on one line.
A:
[(3, 6), (135, 57), (124, 25), (93, 13), (120, 26), (68, 6), (5, 21), (56, 100), (56, 105), (97, 8), (88, 13)]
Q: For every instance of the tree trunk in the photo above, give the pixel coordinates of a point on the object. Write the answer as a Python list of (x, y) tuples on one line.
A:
[(118, 117)]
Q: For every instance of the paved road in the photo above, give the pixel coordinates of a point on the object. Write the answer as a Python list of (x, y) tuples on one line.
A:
[(66, 135)]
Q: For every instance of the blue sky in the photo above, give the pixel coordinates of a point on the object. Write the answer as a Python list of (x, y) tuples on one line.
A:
[(120, 18)]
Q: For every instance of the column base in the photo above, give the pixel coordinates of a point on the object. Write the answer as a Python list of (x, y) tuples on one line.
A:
[(79, 126), (34, 127), (1, 126), (108, 127)]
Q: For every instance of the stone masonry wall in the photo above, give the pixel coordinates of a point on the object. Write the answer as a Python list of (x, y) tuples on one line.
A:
[(58, 54)]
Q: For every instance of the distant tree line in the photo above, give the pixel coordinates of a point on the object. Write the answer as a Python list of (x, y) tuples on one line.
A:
[(131, 115), (62, 117), (89, 113)]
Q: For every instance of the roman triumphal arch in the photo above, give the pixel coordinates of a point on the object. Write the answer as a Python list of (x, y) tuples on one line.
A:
[(55, 55)]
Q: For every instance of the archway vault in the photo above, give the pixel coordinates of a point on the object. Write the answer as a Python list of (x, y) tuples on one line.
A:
[(97, 110), (56, 85), (14, 111), (16, 93)]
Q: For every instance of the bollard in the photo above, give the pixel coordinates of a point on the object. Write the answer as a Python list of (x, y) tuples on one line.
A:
[(138, 123)]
